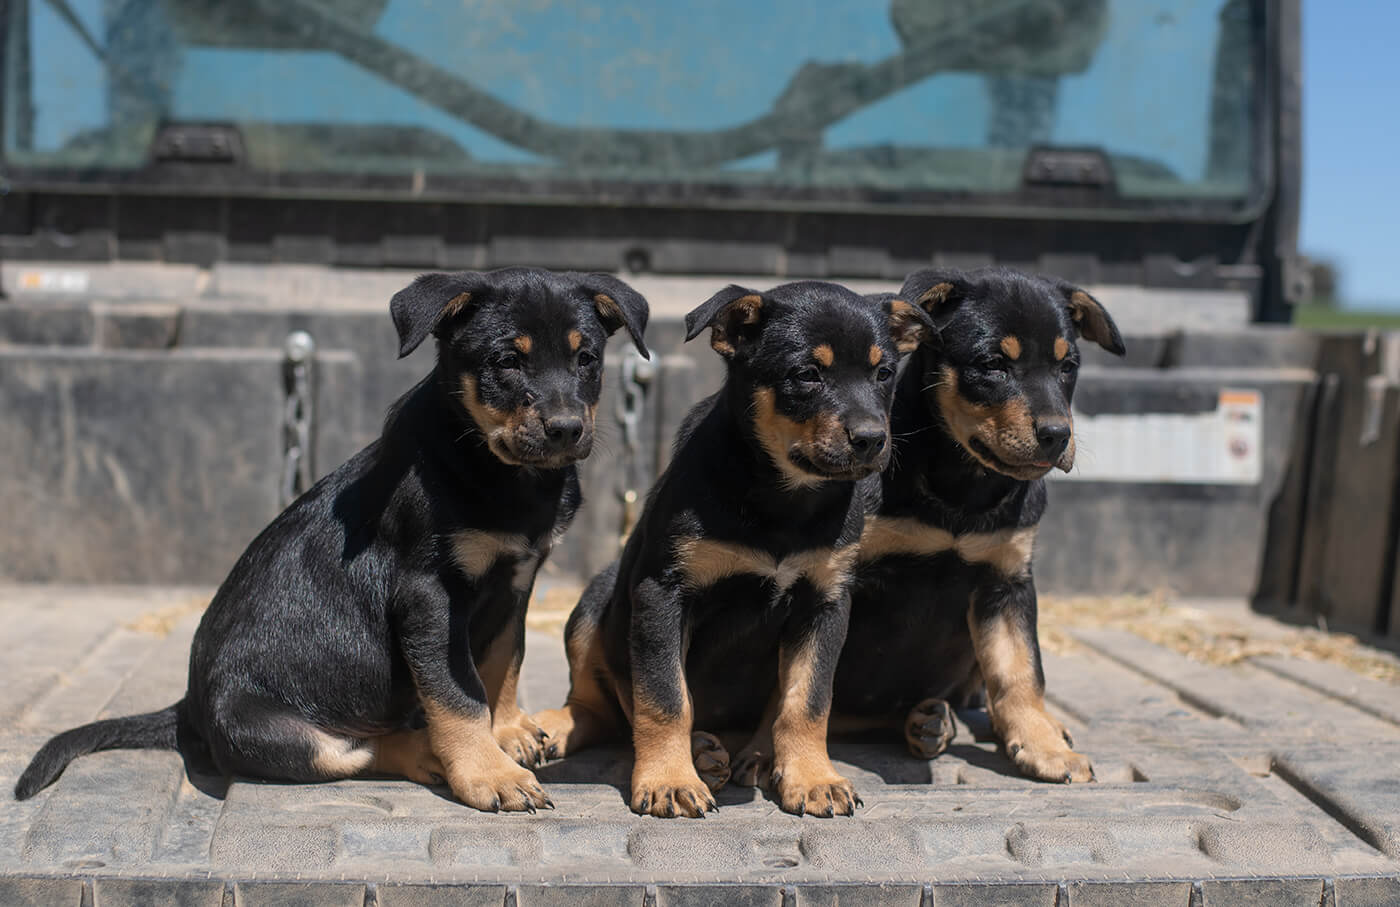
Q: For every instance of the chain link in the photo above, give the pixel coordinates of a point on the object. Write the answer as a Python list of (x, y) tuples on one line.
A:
[(635, 374), (297, 416)]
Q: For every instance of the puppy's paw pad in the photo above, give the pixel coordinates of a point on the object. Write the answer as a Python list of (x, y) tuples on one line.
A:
[(929, 728), (711, 759)]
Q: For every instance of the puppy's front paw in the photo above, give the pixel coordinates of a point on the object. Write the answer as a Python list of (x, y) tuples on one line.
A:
[(929, 728), (811, 791), (501, 786), (1040, 748), (522, 741), (711, 759), (671, 795)]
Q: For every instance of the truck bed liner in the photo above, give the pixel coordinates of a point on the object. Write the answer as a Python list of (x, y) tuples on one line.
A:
[(1273, 781)]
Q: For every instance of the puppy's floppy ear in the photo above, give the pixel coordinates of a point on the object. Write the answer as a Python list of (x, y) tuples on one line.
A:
[(732, 314), (431, 299), (910, 325), (937, 291), (618, 306), (1092, 319)]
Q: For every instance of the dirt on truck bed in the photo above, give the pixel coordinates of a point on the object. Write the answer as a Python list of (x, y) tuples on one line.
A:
[(1239, 760)]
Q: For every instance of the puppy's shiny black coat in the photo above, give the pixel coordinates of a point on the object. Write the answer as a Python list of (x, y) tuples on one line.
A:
[(392, 594), (944, 603), (734, 581)]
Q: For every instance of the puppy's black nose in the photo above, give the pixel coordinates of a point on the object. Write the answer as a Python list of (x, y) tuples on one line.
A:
[(867, 440), (563, 431), (1052, 437)]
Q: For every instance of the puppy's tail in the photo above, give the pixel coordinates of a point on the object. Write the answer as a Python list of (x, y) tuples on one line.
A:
[(152, 731)]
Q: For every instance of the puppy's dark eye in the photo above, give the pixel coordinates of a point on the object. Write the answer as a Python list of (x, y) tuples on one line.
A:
[(807, 374), (585, 359), (508, 360), (1067, 370), (996, 367), (884, 374)]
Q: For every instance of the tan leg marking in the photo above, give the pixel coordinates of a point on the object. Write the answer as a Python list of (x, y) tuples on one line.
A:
[(517, 735), (408, 754), (477, 769), (806, 782), (587, 715), (1036, 742), (664, 780)]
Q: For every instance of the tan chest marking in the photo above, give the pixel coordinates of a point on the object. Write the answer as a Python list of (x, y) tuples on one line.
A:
[(476, 552), (706, 561), (1008, 551)]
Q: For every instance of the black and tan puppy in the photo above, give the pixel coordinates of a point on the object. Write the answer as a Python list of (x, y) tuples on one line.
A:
[(377, 625), (944, 603), (734, 582)]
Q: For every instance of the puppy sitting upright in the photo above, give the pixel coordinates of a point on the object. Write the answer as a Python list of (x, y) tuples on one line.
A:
[(394, 591), (944, 600), (734, 581)]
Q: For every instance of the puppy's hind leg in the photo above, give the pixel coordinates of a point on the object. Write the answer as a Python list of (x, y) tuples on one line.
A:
[(408, 754), (591, 714), (261, 739)]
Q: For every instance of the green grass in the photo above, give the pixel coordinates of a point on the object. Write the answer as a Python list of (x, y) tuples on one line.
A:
[(1325, 318)]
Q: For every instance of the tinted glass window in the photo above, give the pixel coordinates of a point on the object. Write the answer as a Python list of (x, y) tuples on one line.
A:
[(785, 97)]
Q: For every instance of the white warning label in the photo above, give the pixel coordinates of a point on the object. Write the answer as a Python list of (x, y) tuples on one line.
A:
[(54, 280), (1220, 447)]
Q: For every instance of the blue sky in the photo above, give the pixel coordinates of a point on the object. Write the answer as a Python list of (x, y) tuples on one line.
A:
[(1351, 145)]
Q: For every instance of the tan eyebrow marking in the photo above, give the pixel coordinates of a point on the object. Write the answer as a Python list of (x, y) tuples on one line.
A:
[(575, 339), (824, 354), (876, 354), (1061, 348), (1011, 346), (524, 343)]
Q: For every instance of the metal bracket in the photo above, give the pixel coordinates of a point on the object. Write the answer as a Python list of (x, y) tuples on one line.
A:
[(298, 417)]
